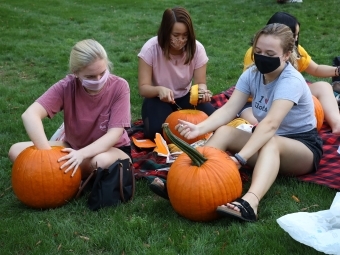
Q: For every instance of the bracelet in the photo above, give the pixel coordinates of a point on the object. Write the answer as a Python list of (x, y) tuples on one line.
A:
[(241, 160), (338, 68)]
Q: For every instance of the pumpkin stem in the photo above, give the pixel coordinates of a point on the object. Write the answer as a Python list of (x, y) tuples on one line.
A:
[(197, 158)]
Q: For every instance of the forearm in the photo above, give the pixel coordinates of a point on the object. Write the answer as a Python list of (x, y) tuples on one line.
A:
[(149, 91), (35, 131), (262, 134), (225, 114), (102, 144), (324, 71), (220, 117)]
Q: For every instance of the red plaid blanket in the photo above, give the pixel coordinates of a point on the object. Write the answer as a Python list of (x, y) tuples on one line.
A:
[(147, 163)]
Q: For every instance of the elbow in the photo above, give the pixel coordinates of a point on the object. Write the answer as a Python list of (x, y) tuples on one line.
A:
[(25, 116), (141, 91), (29, 115), (271, 125)]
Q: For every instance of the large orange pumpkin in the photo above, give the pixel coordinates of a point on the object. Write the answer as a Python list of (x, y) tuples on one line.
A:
[(319, 113), (37, 180), (200, 180), (193, 116)]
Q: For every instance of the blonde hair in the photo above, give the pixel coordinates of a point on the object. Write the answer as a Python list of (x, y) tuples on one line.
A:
[(286, 37), (85, 53)]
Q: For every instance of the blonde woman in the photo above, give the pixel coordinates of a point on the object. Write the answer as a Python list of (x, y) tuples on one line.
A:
[(96, 106)]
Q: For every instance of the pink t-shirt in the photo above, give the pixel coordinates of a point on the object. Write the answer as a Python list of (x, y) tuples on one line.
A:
[(173, 73), (88, 117)]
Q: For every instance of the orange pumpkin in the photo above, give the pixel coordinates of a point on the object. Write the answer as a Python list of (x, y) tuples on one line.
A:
[(38, 181), (319, 113), (200, 180), (193, 116)]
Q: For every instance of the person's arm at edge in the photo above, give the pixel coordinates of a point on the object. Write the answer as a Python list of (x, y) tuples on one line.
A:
[(323, 71)]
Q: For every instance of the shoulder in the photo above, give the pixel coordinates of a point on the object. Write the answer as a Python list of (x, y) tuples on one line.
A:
[(118, 82), (66, 82), (199, 46), (292, 74), (200, 54), (151, 43), (302, 50), (150, 50)]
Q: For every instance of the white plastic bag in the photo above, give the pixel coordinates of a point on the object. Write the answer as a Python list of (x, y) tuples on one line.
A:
[(59, 135), (320, 230)]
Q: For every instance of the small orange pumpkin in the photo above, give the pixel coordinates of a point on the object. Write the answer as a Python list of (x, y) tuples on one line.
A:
[(319, 113), (193, 116), (194, 95), (200, 180), (38, 181)]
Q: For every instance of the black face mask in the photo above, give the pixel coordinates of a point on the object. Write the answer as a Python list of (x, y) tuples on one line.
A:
[(266, 64)]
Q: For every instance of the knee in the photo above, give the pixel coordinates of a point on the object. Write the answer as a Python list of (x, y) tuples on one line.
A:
[(319, 88), (272, 145), (222, 130), (13, 152)]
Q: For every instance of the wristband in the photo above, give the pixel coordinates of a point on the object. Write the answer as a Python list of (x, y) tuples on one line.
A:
[(241, 160)]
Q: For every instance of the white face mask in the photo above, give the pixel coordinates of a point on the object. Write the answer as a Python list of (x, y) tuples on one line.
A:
[(96, 85)]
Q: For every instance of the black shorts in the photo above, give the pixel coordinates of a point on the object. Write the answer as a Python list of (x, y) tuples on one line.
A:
[(126, 149), (313, 141), (246, 106)]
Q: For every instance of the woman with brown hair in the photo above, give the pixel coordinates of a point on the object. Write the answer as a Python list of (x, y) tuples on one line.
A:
[(169, 64)]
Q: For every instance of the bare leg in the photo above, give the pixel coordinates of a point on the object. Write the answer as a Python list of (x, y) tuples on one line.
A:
[(323, 91), (247, 114), (103, 160), (17, 148), (282, 155)]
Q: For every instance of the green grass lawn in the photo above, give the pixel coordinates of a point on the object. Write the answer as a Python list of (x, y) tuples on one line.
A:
[(35, 42)]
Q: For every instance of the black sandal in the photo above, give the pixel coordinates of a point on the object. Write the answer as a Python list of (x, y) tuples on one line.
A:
[(246, 212), (161, 191)]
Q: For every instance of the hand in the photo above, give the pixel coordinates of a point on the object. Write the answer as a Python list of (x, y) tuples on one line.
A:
[(236, 161), (73, 159), (166, 95), (206, 95), (187, 129)]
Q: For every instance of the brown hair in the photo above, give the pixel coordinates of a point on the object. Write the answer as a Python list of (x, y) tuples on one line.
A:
[(170, 17), (286, 36)]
